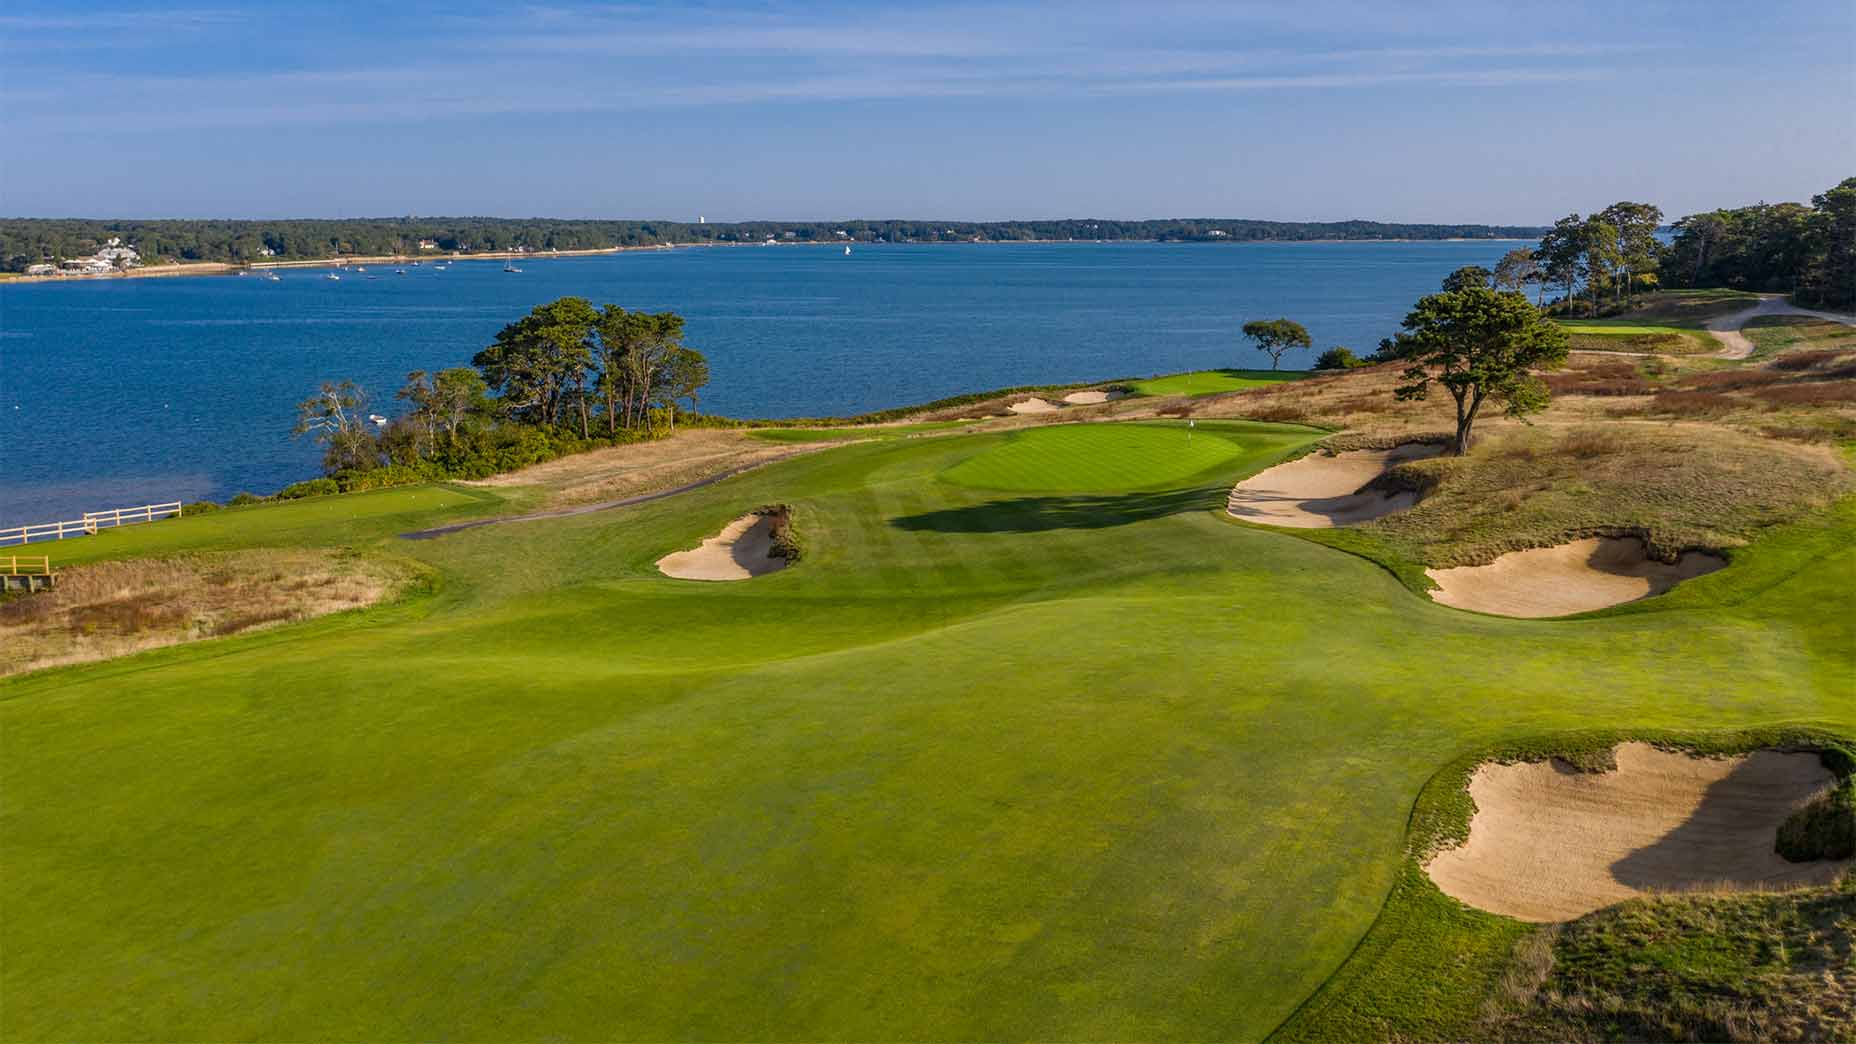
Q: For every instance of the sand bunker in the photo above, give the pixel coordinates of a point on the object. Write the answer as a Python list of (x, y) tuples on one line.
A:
[(1033, 405), (1570, 578), (1549, 843), (1320, 491), (1090, 398), (742, 550)]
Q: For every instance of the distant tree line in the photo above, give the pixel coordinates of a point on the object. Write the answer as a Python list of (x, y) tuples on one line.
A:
[(1600, 261), (1806, 251), (25, 241), (563, 378)]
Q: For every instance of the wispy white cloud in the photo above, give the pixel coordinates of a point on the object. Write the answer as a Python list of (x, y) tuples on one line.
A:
[(566, 59)]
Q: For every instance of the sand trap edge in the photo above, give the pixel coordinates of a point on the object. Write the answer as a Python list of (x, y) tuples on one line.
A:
[(1578, 576), (743, 550), (1717, 836)]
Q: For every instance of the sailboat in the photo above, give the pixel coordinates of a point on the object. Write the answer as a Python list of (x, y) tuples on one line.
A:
[(510, 266), (847, 251)]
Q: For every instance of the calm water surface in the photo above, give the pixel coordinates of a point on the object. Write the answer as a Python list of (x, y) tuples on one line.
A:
[(122, 392)]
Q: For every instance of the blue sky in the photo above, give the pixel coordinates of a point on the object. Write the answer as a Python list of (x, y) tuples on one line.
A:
[(1292, 110)]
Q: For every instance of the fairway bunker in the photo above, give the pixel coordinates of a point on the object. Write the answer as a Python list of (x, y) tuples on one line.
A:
[(1034, 405), (1091, 398), (1322, 491), (1569, 578), (744, 549), (1551, 843)]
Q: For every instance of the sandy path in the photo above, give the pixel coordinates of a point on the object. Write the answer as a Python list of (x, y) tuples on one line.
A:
[(741, 551), (1321, 491), (1736, 345), (1570, 578), (1551, 844)]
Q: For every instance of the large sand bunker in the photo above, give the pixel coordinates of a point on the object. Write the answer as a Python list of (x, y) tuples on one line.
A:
[(1570, 578), (1033, 405), (1090, 398), (1321, 491), (742, 550), (1549, 843)]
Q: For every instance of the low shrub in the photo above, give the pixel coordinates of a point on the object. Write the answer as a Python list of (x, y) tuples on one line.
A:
[(1338, 358), (244, 621), (1823, 829), (242, 499), (1806, 360), (784, 536), (1586, 443), (200, 507), (379, 478), (318, 487), (1692, 403), (1813, 394)]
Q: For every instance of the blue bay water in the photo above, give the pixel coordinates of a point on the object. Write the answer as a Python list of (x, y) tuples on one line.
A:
[(122, 392)]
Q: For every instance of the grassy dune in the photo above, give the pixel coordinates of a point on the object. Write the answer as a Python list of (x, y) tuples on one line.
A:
[(1010, 754)]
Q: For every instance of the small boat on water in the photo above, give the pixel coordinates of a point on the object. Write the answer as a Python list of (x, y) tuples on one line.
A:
[(272, 276), (847, 251), (333, 276), (399, 271), (360, 268), (511, 267)]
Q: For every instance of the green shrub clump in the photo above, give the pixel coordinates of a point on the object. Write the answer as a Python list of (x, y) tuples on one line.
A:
[(200, 507), (318, 487), (1823, 829), (784, 538), (242, 499), (1338, 358)]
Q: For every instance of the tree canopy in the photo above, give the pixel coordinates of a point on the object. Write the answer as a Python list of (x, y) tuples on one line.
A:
[(1808, 251), (1276, 336), (551, 371), (1480, 345)]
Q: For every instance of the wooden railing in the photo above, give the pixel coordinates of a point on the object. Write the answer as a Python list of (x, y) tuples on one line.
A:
[(123, 516), (89, 524), (25, 565)]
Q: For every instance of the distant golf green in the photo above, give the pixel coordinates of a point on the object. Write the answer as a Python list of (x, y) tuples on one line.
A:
[(1206, 382), (1106, 457), (988, 763)]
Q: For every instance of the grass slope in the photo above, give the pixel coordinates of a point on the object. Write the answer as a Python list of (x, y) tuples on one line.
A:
[(987, 764)]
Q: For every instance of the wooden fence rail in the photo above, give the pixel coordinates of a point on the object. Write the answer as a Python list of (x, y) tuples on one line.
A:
[(89, 524)]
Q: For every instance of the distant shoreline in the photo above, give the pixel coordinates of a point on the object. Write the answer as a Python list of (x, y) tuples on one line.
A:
[(212, 268)]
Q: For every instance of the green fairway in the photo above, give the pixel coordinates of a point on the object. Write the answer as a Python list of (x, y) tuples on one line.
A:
[(1207, 382), (1105, 457), (1033, 743)]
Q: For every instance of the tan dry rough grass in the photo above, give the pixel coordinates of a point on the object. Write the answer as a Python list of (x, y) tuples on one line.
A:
[(1679, 487), (112, 609), (647, 467)]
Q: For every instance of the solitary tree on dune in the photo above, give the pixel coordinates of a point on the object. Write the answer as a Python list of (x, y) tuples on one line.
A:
[(1480, 344), (1276, 336)]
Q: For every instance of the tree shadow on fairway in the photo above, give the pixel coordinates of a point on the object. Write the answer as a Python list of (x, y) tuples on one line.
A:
[(1075, 511)]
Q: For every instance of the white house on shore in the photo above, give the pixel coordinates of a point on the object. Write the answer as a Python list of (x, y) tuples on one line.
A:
[(41, 269)]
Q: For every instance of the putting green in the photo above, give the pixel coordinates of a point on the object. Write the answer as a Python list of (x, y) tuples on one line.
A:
[(985, 764), (1207, 382), (1093, 458)]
